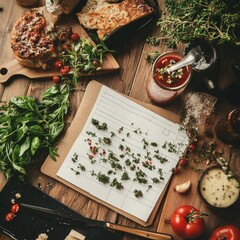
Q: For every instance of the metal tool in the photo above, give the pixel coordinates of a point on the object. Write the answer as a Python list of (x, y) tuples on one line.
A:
[(193, 56), (79, 221)]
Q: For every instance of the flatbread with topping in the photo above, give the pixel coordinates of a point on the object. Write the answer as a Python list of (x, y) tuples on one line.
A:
[(32, 38), (105, 17)]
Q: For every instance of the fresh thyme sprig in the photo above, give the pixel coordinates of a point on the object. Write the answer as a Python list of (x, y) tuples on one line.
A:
[(215, 21)]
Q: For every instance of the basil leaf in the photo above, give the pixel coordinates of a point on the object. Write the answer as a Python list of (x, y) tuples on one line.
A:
[(55, 129), (20, 133), (25, 146), (36, 129), (16, 152), (35, 144)]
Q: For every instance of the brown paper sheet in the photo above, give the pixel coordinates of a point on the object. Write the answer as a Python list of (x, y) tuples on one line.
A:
[(51, 167)]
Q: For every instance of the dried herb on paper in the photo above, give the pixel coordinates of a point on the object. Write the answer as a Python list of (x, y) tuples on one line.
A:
[(215, 21), (28, 126)]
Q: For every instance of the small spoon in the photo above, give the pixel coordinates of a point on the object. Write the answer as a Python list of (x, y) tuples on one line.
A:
[(193, 56)]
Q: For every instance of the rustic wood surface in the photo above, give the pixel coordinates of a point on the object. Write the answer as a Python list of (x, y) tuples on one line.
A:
[(131, 80)]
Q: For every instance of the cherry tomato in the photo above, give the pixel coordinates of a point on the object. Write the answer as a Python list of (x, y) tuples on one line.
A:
[(175, 170), (9, 217), (182, 162), (55, 78), (58, 64), (66, 47), (227, 232), (74, 37), (192, 147), (187, 222), (65, 70), (15, 208)]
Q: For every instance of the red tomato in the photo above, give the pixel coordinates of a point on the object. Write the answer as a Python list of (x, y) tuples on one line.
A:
[(192, 147), (227, 232), (66, 47), (187, 222), (175, 170), (55, 78), (74, 37), (182, 162), (65, 70), (10, 216), (15, 208), (58, 64)]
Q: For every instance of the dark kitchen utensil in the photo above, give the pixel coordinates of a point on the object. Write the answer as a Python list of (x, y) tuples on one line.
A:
[(75, 221), (54, 218)]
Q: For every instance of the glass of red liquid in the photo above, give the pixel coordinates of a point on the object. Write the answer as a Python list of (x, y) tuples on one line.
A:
[(163, 87)]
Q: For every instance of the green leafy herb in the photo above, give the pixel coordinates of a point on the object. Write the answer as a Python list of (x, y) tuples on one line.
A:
[(28, 126), (98, 125), (215, 21), (84, 57), (138, 193)]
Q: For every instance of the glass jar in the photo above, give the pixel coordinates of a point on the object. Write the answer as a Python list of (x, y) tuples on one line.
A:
[(160, 88), (228, 128)]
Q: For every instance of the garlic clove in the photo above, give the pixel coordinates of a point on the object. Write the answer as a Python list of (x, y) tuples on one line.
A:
[(182, 188)]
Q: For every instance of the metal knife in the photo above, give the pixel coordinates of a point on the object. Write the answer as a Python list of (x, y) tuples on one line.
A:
[(77, 220)]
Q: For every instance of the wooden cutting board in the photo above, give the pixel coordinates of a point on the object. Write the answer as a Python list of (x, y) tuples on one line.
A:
[(12, 68)]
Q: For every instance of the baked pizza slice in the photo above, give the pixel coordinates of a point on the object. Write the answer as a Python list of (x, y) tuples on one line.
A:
[(105, 16), (33, 38)]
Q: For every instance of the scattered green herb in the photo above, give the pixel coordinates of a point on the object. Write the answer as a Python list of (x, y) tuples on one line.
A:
[(138, 193), (152, 40), (103, 178), (115, 183), (98, 125), (125, 176), (151, 57)]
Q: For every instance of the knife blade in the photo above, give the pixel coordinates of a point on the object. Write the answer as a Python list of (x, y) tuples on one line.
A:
[(77, 221)]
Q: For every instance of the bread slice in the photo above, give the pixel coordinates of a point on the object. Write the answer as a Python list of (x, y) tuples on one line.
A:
[(105, 17), (32, 38)]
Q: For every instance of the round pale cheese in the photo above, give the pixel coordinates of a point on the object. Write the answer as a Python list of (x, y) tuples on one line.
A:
[(217, 189)]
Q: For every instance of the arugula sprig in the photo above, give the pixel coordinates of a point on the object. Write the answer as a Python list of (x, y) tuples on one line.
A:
[(84, 57), (28, 126)]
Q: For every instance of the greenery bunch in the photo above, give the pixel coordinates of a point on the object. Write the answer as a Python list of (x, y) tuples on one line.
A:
[(216, 21), (28, 126)]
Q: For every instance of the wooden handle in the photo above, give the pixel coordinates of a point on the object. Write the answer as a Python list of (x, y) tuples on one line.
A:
[(139, 232), (14, 68)]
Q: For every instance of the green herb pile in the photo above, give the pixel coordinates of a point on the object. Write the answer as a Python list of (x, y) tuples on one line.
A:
[(216, 21), (28, 126), (84, 57)]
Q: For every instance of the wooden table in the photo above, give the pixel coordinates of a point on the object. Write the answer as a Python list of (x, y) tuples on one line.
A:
[(130, 80)]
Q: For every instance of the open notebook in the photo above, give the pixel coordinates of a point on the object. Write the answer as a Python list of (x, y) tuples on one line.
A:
[(123, 155)]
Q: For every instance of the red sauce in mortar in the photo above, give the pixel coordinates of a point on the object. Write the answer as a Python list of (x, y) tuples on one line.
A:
[(166, 80)]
